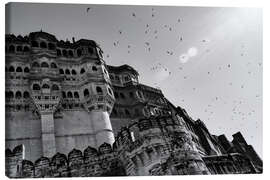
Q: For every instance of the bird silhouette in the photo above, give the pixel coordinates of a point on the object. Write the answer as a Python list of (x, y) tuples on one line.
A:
[(88, 9)]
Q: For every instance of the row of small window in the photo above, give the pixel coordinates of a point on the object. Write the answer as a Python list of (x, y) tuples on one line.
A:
[(18, 48), (131, 95), (44, 65), (74, 72), (98, 90), (70, 52), (17, 107), (37, 87), (18, 69), (17, 95)]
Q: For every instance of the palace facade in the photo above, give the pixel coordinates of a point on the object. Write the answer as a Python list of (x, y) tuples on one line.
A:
[(70, 114)]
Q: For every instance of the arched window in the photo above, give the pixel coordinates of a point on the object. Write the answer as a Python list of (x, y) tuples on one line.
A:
[(94, 68), (45, 86), (11, 69), (86, 93), (73, 72), (82, 71), (79, 52), (51, 46), (26, 70), (67, 71), (127, 112), (43, 44), (53, 65), (18, 69), (36, 87), (44, 65), (70, 53), (35, 65), (10, 94), (61, 71), (11, 48), (64, 94), (34, 44), (55, 87), (58, 52), (122, 96), (18, 95), (64, 53), (69, 95), (19, 49), (76, 95), (99, 90), (26, 94)]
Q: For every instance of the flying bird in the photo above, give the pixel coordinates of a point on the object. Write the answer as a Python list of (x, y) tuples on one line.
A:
[(88, 9)]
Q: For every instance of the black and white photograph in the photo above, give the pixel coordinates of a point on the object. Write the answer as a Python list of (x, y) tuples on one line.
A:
[(94, 90)]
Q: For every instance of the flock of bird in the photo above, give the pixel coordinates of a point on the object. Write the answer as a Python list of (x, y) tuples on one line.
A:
[(236, 111)]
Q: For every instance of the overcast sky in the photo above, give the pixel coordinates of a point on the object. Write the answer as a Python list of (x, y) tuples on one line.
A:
[(206, 60)]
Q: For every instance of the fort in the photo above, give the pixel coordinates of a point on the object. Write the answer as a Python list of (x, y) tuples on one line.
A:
[(69, 114)]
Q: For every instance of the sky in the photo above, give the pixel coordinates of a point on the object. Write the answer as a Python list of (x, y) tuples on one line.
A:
[(206, 60)]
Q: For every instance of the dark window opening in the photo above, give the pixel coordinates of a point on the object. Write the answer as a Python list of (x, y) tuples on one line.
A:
[(55, 87), (44, 65), (26, 49), (82, 71), (45, 86), (26, 70), (51, 46), (36, 87), (53, 65), (64, 53), (127, 112), (26, 94), (69, 95), (73, 72), (90, 50), (76, 95), (70, 53), (58, 52), (94, 68), (99, 90), (86, 93), (63, 94), (18, 95), (11, 69), (79, 52), (10, 94), (131, 94), (61, 71), (34, 44), (18, 69), (43, 45), (67, 71), (11, 48), (35, 65)]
